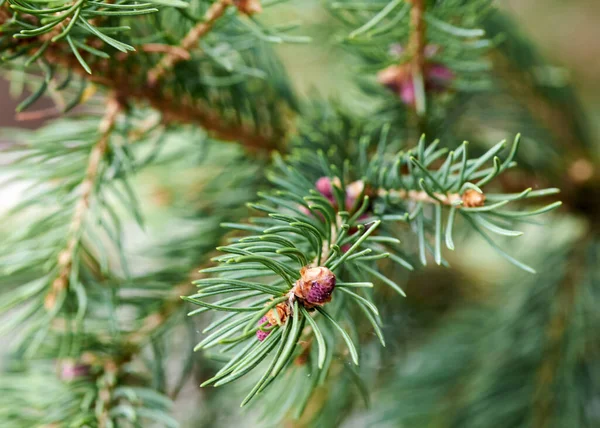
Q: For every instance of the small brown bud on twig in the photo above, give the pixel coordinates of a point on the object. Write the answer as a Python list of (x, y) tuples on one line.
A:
[(279, 314), (472, 198), (276, 316), (248, 7)]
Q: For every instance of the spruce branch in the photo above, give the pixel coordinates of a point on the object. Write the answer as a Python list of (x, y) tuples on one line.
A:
[(88, 186), (173, 108), (430, 55), (330, 235), (222, 110)]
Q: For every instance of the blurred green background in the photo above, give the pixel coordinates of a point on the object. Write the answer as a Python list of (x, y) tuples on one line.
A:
[(566, 32)]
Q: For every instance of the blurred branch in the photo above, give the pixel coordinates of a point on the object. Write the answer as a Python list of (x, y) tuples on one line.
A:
[(132, 84), (65, 258), (416, 48), (556, 334), (214, 12), (556, 119)]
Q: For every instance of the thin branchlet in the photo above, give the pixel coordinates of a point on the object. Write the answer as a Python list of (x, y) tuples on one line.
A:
[(416, 48), (87, 188), (190, 41)]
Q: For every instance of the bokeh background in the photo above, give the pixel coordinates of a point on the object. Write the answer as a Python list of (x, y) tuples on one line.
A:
[(567, 34)]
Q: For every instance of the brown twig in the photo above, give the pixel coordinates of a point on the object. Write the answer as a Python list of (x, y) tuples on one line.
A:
[(421, 196), (214, 12), (416, 49), (175, 51), (46, 113), (108, 383), (65, 258), (469, 198)]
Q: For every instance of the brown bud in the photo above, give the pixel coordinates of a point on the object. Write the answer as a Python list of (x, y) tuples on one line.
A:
[(248, 7), (279, 314), (315, 286), (472, 198)]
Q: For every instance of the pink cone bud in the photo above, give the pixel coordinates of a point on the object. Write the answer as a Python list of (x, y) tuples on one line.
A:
[(261, 334), (324, 187), (353, 192), (393, 77), (315, 286), (276, 316), (440, 73), (407, 93), (399, 78), (71, 370)]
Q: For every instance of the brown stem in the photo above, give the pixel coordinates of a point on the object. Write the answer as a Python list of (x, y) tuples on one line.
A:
[(65, 258), (421, 196), (416, 48), (105, 393), (175, 51), (470, 198), (46, 113), (214, 12)]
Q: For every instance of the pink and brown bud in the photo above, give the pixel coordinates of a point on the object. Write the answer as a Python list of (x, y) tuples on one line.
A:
[(279, 314), (276, 316), (324, 186), (395, 77), (472, 198), (315, 286), (399, 78), (248, 7), (262, 334), (353, 192), (70, 370)]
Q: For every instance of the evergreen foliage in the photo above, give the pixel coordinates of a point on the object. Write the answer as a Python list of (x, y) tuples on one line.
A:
[(306, 304)]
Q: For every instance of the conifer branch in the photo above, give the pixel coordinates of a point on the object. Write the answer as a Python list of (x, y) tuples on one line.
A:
[(214, 12), (131, 83), (556, 119), (105, 392), (174, 109), (556, 335), (88, 185), (152, 322)]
